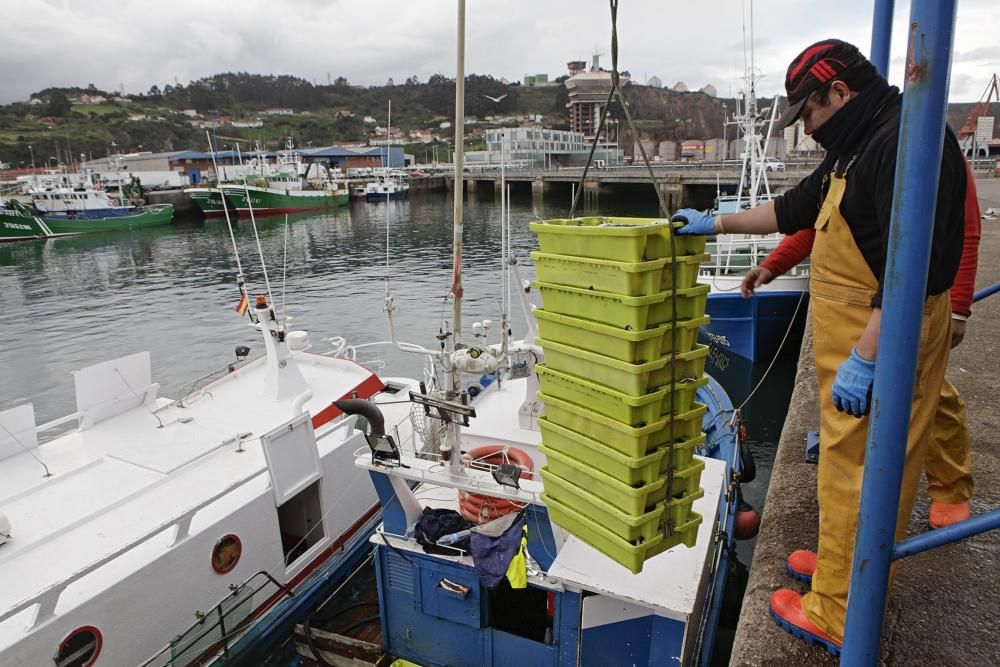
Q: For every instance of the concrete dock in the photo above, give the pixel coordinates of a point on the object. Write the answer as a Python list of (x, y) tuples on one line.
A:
[(943, 609)]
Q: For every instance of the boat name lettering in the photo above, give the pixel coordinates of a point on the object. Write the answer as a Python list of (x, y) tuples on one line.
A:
[(17, 225), (718, 358), (718, 339)]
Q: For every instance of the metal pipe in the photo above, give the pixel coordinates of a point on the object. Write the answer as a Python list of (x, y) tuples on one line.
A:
[(918, 161), (459, 172), (985, 292), (365, 408), (882, 35), (947, 535)]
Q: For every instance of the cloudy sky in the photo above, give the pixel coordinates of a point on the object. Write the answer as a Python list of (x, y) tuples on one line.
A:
[(139, 43)]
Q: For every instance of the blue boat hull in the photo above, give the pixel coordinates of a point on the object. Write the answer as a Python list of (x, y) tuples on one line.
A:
[(751, 329), (93, 214), (381, 196)]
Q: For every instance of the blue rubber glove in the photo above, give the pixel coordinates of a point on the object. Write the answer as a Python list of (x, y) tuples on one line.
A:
[(698, 223), (852, 388)]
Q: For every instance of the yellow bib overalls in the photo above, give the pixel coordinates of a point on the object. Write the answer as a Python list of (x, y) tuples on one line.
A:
[(841, 288)]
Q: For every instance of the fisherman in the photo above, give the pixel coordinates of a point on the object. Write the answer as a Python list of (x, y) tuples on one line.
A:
[(854, 114), (948, 467)]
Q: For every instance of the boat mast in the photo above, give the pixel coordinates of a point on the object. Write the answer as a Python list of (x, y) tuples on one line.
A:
[(456, 287)]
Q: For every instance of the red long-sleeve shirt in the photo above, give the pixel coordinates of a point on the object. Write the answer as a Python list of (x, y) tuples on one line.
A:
[(796, 247)]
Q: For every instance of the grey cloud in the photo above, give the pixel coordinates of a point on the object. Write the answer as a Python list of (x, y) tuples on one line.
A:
[(139, 43)]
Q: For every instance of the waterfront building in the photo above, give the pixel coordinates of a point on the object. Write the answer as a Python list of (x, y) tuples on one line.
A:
[(538, 147)]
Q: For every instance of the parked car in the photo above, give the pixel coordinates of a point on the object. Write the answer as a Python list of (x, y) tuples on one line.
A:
[(771, 164)]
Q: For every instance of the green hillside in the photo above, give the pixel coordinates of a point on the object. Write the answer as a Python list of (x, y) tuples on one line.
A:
[(60, 124)]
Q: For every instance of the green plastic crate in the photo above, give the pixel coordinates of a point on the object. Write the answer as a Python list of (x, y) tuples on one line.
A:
[(633, 500), (681, 454), (635, 379), (685, 481), (628, 312), (685, 533), (678, 510), (688, 268), (632, 468), (683, 396), (689, 365), (627, 408), (621, 436), (618, 343), (626, 469), (628, 554), (618, 239), (624, 278), (686, 244), (645, 526)]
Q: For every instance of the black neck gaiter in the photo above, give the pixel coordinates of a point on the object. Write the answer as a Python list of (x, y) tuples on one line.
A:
[(845, 130)]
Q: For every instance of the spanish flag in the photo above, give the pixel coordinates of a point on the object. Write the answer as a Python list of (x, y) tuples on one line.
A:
[(243, 306)]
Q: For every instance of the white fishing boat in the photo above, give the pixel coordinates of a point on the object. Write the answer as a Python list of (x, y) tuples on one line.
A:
[(78, 195), (386, 187)]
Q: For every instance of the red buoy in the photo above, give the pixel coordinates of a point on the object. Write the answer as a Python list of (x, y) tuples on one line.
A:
[(747, 523)]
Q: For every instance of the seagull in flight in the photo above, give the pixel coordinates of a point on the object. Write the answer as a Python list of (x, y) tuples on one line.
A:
[(496, 99)]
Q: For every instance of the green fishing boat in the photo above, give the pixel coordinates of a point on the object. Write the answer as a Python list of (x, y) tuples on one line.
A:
[(285, 186), (267, 200), (18, 222)]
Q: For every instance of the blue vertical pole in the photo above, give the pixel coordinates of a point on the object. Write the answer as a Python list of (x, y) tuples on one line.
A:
[(918, 160), (882, 36)]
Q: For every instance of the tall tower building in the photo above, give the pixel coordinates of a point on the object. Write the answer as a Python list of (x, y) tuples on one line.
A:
[(588, 91)]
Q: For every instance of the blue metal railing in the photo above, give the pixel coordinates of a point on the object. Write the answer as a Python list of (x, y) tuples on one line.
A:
[(928, 64), (985, 292)]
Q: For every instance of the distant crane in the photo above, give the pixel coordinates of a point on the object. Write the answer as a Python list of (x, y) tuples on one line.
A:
[(967, 135), (496, 99)]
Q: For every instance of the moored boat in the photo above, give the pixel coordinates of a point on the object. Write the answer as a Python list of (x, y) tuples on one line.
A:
[(18, 223), (284, 187), (386, 188), (221, 501), (268, 200)]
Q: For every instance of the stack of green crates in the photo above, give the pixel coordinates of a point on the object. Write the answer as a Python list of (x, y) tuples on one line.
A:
[(619, 328)]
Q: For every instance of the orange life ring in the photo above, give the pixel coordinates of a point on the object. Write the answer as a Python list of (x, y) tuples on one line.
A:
[(478, 508)]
